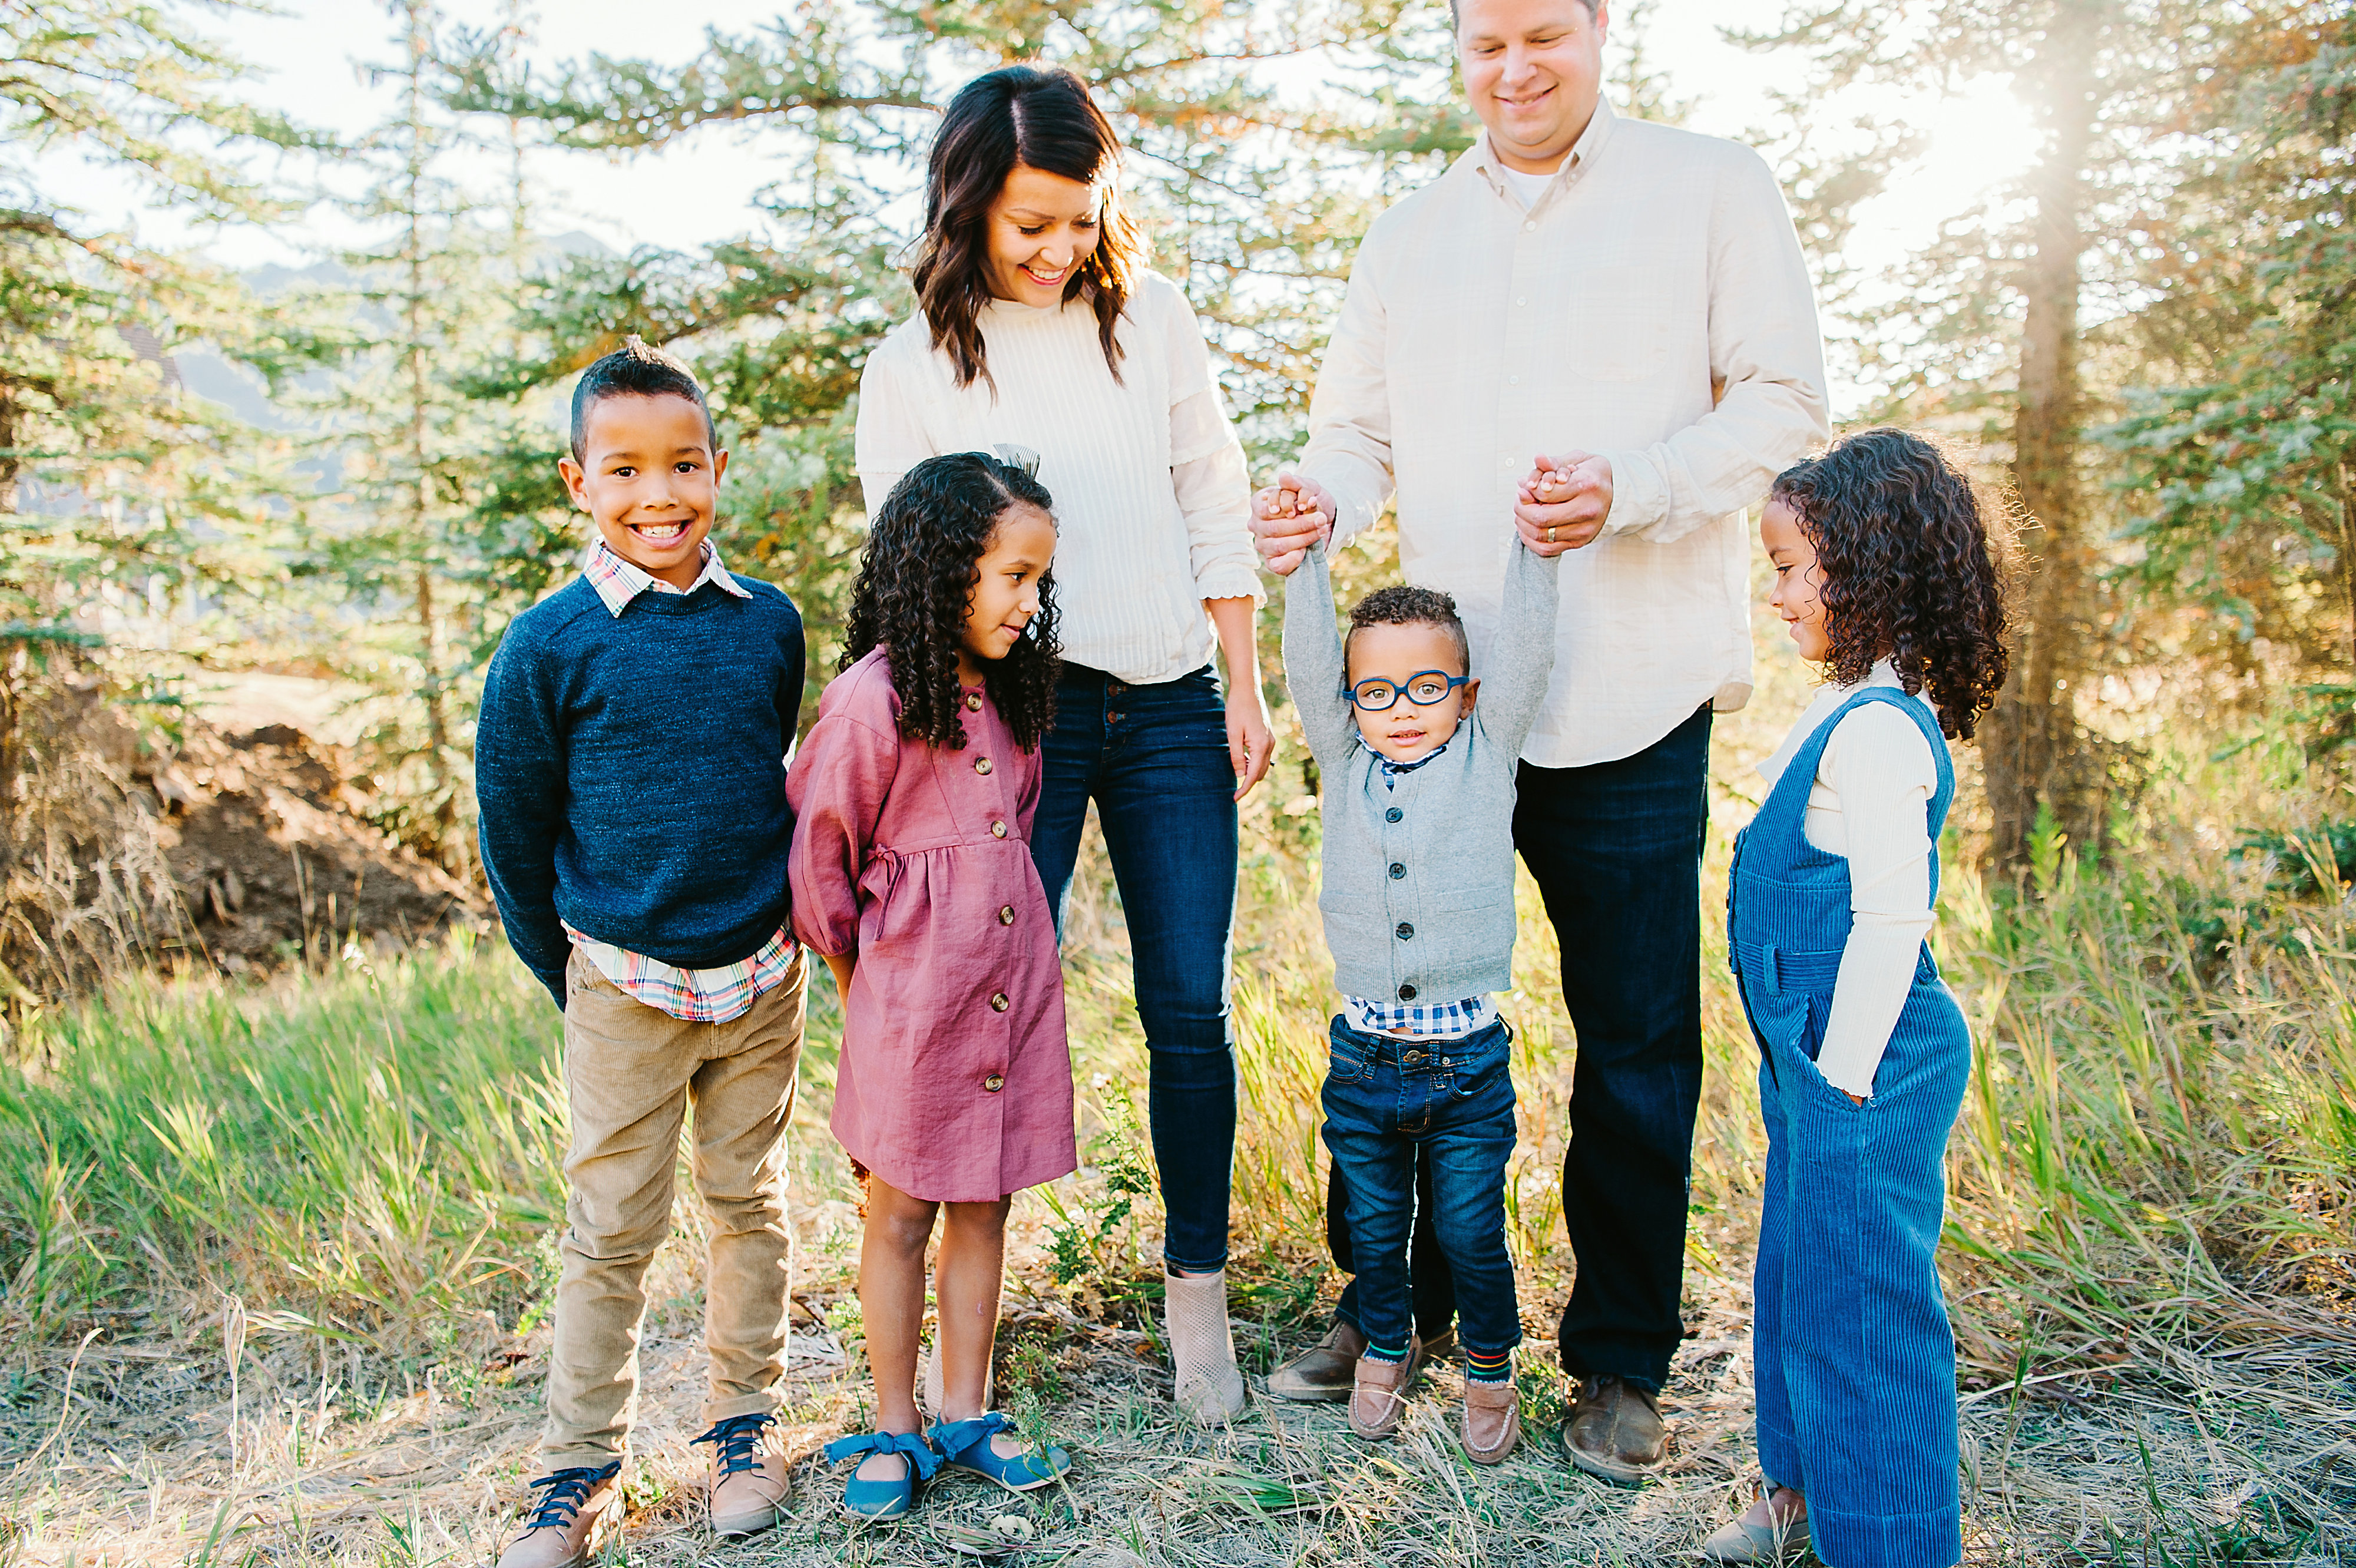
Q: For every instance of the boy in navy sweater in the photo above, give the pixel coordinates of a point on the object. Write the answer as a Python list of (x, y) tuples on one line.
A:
[(630, 764)]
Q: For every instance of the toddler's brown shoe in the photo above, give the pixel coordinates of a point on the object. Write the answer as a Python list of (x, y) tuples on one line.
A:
[(1378, 1396), (562, 1528), (1492, 1424)]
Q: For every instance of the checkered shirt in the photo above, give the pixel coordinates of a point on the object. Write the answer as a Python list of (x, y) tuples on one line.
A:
[(618, 581), (1420, 1020), (692, 996)]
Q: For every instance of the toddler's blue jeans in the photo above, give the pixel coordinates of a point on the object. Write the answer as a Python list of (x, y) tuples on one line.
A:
[(1385, 1099)]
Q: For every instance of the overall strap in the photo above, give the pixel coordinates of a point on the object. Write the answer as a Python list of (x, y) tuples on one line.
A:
[(1943, 794)]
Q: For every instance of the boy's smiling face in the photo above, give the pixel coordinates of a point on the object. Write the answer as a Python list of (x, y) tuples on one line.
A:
[(1409, 732), (650, 479)]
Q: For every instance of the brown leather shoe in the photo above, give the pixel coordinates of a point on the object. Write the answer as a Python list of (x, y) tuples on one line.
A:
[(1615, 1432), (1378, 1394), (560, 1529), (748, 1483), (1490, 1426), (1325, 1372)]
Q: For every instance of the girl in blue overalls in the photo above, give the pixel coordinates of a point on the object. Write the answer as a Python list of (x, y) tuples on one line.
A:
[(1884, 575)]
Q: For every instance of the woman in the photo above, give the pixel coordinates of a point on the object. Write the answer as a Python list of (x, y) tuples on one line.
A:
[(1039, 327)]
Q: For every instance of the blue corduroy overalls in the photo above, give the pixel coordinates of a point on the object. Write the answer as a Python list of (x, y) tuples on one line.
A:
[(1854, 1361)]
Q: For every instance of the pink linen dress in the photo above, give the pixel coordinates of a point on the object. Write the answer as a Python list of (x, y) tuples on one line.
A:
[(955, 1082)]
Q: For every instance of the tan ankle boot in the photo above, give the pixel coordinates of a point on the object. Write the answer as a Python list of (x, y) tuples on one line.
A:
[(1491, 1427), (1379, 1397), (1208, 1385)]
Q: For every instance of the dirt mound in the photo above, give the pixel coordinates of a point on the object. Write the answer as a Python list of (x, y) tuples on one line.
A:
[(269, 836)]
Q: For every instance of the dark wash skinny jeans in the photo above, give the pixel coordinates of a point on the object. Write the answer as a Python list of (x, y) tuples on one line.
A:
[(1154, 759), (1616, 851), (1445, 1106)]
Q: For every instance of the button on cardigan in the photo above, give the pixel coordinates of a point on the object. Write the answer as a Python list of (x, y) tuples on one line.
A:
[(955, 1083)]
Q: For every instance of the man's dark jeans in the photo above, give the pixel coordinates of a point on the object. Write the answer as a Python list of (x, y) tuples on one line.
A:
[(1446, 1106), (1154, 759), (1616, 851)]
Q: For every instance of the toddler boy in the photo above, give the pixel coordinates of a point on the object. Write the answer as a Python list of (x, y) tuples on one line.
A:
[(1419, 757), (630, 764)]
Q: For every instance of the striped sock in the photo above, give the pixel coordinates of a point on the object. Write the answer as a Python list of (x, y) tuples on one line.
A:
[(1384, 1353), (1482, 1367)]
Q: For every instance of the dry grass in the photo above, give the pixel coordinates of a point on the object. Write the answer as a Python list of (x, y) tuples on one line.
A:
[(304, 1357)]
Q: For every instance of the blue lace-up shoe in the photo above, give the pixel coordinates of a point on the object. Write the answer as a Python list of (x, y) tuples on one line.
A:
[(561, 1527), (891, 1499), (748, 1485), (966, 1445)]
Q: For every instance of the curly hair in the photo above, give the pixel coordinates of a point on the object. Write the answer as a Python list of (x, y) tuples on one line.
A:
[(1908, 571), (1046, 119), (1402, 605), (915, 584)]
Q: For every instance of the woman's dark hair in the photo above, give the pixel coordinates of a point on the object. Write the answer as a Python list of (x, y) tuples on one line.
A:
[(1908, 571), (1017, 114), (916, 581)]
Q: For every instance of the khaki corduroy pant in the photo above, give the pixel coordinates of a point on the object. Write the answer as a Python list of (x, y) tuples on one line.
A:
[(631, 1073)]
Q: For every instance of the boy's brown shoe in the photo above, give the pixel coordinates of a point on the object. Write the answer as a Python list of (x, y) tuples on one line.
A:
[(1327, 1370), (748, 1483), (1492, 1422), (1615, 1432), (562, 1528), (1378, 1394)]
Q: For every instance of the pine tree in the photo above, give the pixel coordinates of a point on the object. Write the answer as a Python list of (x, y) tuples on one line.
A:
[(1993, 330), (412, 450), (2243, 474)]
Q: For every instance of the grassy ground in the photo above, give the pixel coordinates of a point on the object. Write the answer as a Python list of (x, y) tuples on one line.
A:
[(274, 1263)]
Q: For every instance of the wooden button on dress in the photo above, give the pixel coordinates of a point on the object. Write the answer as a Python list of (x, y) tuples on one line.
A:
[(998, 1003), (993, 1083), (982, 765), (1006, 915), (973, 702), (998, 830)]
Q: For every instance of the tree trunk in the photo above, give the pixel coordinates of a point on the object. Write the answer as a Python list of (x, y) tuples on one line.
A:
[(2030, 741)]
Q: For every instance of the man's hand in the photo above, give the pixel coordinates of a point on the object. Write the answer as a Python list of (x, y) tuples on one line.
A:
[(1289, 516), (1564, 502)]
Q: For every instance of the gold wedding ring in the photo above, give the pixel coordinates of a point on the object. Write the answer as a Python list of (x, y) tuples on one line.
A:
[(1550, 536)]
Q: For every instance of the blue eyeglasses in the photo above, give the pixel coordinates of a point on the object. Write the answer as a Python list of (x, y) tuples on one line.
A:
[(1424, 689)]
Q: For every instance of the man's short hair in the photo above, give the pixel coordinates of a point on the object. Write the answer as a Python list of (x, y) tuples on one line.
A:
[(1404, 604), (1456, 17), (633, 369)]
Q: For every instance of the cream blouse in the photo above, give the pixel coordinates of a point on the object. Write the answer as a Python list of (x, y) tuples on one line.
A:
[(1874, 779), (1152, 504)]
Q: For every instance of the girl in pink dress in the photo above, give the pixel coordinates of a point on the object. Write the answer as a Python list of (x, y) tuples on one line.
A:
[(913, 799)]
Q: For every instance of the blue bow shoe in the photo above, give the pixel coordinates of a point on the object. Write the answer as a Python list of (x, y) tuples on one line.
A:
[(966, 1444), (884, 1500)]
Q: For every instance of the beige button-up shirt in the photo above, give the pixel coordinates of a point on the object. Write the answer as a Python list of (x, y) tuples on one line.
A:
[(1651, 307)]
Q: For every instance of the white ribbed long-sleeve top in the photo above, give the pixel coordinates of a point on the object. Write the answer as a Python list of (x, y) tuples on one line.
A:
[(1153, 503), (1867, 804)]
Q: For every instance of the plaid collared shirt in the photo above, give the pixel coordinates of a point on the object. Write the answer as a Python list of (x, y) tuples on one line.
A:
[(618, 581), (1420, 1020), (692, 996)]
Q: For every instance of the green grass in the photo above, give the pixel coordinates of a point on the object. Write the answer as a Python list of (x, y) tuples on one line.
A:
[(2153, 1202)]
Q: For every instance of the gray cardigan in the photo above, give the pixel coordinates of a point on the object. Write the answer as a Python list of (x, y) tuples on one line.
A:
[(1418, 878)]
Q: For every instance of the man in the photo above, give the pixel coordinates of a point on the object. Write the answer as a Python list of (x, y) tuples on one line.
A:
[(1628, 301)]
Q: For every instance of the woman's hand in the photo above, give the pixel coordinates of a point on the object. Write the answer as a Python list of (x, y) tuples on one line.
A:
[(1251, 738)]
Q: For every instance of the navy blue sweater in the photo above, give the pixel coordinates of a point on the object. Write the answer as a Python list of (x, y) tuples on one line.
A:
[(630, 772)]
